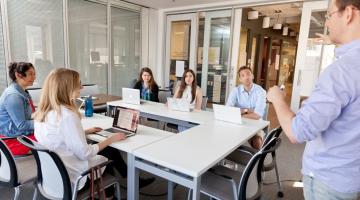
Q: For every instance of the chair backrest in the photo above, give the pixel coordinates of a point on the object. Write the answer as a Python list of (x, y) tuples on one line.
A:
[(163, 95), (53, 179), (275, 133), (204, 103), (8, 170), (254, 169), (89, 89)]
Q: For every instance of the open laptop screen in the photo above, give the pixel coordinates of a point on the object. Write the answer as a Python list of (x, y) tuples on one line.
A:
[(126, 119)]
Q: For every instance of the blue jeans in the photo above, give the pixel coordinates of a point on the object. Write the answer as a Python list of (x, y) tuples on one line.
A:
[(316, 190)]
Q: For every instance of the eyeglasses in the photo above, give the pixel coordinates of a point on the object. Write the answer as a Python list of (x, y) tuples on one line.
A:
[(329, 14)]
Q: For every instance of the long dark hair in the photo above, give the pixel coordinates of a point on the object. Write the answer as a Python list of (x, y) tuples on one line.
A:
[(20, 68), (183, 85), (152, 83)]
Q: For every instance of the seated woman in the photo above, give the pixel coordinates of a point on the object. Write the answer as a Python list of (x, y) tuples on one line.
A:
[(149, 90), (58, 124), (16, 107), (189, 90), (58, 127)]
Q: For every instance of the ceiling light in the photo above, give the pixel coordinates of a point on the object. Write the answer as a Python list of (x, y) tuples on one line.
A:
[(285, 31), (277, 25), (266, 22), (254, 14)]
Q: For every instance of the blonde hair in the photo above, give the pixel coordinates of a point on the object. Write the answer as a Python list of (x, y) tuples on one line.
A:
[(60, 89)]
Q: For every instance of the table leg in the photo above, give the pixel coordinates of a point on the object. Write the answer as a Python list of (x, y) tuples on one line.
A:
[(132, 179)]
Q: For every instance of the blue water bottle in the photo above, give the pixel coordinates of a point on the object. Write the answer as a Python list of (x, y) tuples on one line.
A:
[(89, 107)]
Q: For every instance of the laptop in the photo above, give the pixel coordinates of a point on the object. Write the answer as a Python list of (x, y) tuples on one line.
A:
[(126, 121), (178, 104), (227, 113), (131, 96)]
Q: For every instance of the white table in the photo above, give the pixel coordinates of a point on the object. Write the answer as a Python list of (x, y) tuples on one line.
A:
[(144, 136), (160, 112), (184, 157)]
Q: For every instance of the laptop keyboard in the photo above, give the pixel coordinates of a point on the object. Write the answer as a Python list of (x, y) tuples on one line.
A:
[(112, 130)]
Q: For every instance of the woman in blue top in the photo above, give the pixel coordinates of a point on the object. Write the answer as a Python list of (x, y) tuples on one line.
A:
[(149, 90), (16, 106)]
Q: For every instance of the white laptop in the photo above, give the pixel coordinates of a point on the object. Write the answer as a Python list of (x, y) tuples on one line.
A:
[(178, 104), (227, 113), (126, 121), (131, 96)]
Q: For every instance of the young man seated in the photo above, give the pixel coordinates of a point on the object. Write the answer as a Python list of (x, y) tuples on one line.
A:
[(251, 99)]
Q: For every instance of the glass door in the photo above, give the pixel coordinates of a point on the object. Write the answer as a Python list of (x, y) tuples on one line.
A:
[(214, 54), (312, 57), (180, 47)]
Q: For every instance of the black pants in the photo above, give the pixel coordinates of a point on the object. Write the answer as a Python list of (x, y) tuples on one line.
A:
[(118, 162)]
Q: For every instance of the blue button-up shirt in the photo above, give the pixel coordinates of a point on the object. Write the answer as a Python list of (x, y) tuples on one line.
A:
[(330, 123), (254, 99), (15, 112)]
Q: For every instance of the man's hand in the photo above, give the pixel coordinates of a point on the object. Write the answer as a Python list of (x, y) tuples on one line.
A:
[(275, 94)]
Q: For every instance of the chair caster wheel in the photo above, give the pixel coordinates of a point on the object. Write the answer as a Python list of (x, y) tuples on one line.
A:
[(280, 194)]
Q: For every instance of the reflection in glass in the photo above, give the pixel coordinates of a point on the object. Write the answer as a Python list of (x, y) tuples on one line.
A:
[(125, 32), (88, 42), (36, 34), (179, 49), (218, 57), (3, 69), (318, 56)]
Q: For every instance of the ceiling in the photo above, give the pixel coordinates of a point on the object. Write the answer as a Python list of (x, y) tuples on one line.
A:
[(289, 13), (163, 4)]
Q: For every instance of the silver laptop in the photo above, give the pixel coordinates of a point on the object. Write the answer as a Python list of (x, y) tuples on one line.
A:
[(227, 113), (131, 96), (178, 104), (126, 121)]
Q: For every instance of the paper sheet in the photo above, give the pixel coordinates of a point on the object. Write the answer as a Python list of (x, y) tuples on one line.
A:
[(180, 65)]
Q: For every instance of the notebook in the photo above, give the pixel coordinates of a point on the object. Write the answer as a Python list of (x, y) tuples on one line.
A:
[(126, 121), (227, 113)]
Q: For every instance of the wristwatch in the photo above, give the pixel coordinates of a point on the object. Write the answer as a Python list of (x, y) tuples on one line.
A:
[(246, 111)]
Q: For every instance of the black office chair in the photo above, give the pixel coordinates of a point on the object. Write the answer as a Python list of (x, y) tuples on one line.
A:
[(53, 180), (223, 183), (236, 157), (15, 172)]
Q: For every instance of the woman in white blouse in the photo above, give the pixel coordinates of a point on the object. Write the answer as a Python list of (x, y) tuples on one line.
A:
[(58, 124), (189, 90)]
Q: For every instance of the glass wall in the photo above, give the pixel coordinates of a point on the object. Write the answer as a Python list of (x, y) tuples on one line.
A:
[(3, 68), (125, 32), (36, 34), (88, 46)]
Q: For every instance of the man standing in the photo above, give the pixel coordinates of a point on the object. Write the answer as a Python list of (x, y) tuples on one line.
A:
[(251, 99), (329, 121)]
